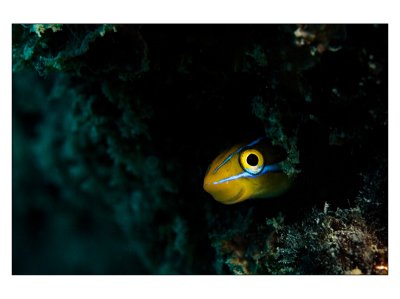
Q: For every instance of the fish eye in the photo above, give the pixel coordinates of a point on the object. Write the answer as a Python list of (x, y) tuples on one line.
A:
[(251, 161)]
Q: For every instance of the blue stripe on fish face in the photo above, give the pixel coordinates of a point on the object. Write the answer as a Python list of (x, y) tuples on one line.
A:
[(267, 168), (231, 178), (227, 159), (255, 142)]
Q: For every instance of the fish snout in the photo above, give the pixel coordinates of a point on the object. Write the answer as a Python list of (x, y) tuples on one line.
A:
[(225, 193)]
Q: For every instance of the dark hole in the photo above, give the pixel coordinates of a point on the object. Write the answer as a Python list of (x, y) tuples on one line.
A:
[(252, 160)]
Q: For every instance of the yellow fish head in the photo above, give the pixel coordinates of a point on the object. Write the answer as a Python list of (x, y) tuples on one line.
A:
[(247, 171)]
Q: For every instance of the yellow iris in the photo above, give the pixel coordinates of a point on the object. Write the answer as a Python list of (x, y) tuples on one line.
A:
[(252, 161)]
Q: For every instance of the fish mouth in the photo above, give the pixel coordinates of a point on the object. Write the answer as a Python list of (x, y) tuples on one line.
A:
[(235, 198)]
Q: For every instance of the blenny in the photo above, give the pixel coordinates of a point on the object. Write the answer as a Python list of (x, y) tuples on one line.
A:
[(245, 171)]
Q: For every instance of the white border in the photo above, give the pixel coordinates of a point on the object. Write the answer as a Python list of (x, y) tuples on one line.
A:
[(338, 11)]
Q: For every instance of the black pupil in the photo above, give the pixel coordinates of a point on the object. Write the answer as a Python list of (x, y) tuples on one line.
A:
[(252, 160)]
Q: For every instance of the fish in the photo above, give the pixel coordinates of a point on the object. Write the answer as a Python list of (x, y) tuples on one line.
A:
[(246, 171)]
